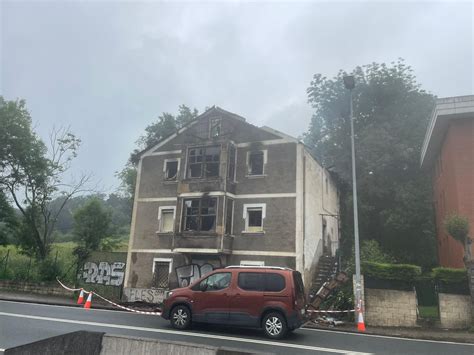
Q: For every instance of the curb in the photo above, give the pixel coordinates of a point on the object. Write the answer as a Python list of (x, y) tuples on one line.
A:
[(395, 335), (51, 303)]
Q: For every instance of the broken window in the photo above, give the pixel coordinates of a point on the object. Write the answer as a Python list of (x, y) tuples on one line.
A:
[(161, 272), (215, 128), (254, 215), (204, 162), (166, 220), (256, 162), (231, 171), (171, 169), (200, 214), (228, 217)]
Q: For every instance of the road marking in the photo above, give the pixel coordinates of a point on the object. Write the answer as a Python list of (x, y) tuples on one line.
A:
[(190, 334), (386, 336)]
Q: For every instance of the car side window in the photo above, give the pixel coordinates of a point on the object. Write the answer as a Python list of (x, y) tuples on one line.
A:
[(274, 282), (251, 281), (216, 282)]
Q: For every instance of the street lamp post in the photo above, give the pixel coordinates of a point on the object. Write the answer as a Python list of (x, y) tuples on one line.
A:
[(349, 84)]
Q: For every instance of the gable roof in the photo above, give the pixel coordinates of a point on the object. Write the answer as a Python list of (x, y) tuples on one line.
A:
[(211, 112), (445, 110)]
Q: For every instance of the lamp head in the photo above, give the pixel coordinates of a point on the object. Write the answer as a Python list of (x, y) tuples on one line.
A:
[(349, 82)]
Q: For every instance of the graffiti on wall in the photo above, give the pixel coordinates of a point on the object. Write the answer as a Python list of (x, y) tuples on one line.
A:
[(103, 274), (189, 273)]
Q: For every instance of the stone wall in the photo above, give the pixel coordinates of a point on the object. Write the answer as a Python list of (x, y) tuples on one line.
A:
[(390, 308), (454, 311), (42, 288)]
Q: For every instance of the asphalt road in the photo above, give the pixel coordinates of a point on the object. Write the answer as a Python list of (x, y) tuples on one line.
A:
[(22, 323)]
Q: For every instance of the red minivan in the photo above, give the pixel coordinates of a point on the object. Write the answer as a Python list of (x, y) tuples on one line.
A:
[(271, 298)]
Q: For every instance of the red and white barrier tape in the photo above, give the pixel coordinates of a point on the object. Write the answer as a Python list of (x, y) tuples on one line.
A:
[(320, 311), (109, 301)]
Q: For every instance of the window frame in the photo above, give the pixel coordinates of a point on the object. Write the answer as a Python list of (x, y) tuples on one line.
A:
[(162, 260), (218, 122), (231, 218), (160, 219), (170, 160), (184, 216), (203, 162), (265, 158), (246, 207)]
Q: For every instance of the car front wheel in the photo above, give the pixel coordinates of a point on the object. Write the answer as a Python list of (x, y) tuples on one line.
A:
[(180, 317), (274, 325)]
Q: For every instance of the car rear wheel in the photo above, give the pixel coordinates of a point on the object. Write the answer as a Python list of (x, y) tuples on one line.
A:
[(180, 317), (274, 325)]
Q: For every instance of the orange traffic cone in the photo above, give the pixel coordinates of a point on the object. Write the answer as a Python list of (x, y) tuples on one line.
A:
[(87, 305), (360, 323), (81, 297)]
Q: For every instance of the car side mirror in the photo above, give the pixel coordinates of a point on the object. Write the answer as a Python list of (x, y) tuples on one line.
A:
[(203, 287)]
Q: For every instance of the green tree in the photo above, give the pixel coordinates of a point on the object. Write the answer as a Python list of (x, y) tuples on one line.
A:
[(91, 224), (391, 114), (9, 224), (32, 175), (458, 227), (164, 126)]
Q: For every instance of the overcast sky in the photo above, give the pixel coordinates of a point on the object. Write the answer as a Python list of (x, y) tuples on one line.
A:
[(108, 69)]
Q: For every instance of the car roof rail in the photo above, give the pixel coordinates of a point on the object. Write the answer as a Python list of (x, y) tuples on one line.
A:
[(257, 267)]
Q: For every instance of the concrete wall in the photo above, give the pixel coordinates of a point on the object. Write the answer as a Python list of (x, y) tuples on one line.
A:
[(94, 343), (42, 288), (455, 311), (319, 200), (390, 308)]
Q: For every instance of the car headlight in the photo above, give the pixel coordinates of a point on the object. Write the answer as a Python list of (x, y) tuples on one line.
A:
[(170, 293)]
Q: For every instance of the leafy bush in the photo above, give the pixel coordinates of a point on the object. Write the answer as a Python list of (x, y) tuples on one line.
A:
[(397, 272), (457, 226), (449, 275)]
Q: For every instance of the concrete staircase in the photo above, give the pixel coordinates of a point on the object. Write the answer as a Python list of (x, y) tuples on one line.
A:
[(326, 279)]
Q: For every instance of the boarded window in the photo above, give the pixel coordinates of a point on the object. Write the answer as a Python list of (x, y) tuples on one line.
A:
[(200, 214), (167, 221), (255, 163), (171, 170), (161, 272)]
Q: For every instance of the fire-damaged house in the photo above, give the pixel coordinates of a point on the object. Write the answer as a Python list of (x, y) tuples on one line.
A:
[(220, 192)]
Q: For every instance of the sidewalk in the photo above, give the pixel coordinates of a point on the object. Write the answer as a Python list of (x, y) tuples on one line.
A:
[(419, 333), (27, 297)]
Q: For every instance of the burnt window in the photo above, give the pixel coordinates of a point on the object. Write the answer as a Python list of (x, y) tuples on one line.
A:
[(229, 216), (199, 214), (171, 169), (256, 162), (203, 162), (215, 128), (231, 170)]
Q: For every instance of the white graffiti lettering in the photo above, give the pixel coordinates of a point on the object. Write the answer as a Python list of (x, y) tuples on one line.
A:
[(104, 274)]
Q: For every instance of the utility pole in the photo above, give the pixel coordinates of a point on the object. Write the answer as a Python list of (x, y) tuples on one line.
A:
[(349, 84)]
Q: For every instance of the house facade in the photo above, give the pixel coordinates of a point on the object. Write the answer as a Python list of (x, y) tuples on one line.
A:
[(448, 152), (221, 192)]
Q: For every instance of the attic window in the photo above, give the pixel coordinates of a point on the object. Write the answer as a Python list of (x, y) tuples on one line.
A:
[(215, 128)]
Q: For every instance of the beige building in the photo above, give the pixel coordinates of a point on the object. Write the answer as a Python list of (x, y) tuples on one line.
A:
[(220, 192)]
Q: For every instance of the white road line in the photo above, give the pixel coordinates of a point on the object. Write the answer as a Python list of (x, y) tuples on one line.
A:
[(190, 334), (69, 307), (386, 336)]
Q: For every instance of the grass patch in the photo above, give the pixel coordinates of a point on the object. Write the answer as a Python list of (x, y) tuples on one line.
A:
[(431, 312)]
